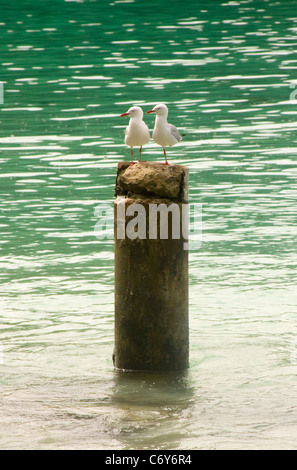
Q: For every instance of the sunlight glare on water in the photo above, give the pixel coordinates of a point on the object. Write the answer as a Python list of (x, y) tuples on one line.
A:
[(227, 72)]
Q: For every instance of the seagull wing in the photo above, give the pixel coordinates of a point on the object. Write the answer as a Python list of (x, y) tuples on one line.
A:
[(175, 132)]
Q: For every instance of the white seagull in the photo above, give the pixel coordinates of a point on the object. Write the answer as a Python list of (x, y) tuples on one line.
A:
[(164, 134), (137, 133)]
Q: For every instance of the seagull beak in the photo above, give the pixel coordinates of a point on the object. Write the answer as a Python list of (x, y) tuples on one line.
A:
[(151, 111), (124, 114)]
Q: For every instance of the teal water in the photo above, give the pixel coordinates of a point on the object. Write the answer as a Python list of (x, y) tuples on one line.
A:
[(227, 71)]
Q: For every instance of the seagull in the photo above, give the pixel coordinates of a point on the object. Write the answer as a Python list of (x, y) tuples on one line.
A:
[(164, 134), (137, 133)]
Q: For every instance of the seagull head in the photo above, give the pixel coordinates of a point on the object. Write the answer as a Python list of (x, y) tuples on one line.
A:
[(135, 111), (160, 110)]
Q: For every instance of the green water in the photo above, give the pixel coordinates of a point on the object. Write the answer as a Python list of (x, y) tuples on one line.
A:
[(227, 71)]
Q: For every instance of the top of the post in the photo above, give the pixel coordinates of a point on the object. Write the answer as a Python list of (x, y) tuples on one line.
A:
[(153, 179)]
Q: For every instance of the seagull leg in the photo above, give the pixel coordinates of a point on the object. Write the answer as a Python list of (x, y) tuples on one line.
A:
[(166, 162), (140, 148), (132, 156)]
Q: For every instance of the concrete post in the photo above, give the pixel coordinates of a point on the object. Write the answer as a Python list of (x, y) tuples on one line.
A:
[(151, 268)]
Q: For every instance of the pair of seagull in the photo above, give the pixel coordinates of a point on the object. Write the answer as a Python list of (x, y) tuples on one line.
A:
[(137, 133)]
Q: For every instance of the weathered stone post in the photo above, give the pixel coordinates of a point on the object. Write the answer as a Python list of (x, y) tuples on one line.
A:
[(151, 267)]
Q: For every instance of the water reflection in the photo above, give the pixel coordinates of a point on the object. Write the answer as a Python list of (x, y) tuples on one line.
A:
[(154, 408)]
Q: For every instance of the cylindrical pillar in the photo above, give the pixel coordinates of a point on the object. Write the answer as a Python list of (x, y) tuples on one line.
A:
[(151, 268)]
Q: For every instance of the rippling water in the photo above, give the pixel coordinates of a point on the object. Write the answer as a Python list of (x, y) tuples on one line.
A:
[(227, 71)]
